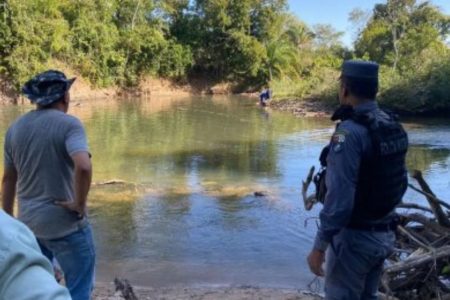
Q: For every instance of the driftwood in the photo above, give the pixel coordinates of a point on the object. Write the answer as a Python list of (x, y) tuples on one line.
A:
[(441, 216), (124, 286), (310, 200), (420, 266), (413, 238), (418, 261), (414, 206), (112, 182), (427, 223), (441, 202)]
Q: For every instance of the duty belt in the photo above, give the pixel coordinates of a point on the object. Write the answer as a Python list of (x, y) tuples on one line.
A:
[(375, 227)]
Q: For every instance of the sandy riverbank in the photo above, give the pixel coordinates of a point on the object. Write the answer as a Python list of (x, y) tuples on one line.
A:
[(104, 291), (303, 108), (148, 87)]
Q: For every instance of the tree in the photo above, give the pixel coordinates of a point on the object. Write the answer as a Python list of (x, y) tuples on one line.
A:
[(400, 30), (283, 50), (326, 36), (227, 37)]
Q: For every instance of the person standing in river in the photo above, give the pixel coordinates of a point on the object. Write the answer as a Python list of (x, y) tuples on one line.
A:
[(46, 155), (366, 178)]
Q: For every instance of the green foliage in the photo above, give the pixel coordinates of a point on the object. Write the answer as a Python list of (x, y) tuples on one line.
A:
[(108, 42), (34, 32), (117, 42), (248, 42), (408, 38), (400, 30), (426, 90), (228, 37), (446, 270)]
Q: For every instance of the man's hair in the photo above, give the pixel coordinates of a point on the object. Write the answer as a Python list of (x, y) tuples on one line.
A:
[(52, 104), (364, 88)]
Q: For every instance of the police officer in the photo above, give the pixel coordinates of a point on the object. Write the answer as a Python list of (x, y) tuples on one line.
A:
[(366, 178)]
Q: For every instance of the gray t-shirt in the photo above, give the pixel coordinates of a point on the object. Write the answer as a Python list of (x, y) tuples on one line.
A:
[(39, 145)]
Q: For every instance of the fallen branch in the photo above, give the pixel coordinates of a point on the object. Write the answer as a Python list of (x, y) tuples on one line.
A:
[(113, 182), (439, 213), (308, 201), (414, 206), (427, 223), (418, 261), (413, 238), (441, 202)]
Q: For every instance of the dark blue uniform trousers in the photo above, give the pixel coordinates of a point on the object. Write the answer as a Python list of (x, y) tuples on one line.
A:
[(354, 264)]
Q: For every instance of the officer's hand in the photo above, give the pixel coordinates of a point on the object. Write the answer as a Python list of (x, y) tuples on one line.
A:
[(315, 261), (73, 206)]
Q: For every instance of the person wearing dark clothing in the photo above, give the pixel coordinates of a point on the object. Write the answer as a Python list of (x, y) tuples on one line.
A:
[(265, 97), (365, 179)]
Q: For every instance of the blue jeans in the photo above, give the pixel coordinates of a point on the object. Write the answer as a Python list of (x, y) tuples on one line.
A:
[(354, 264), (76, 255)]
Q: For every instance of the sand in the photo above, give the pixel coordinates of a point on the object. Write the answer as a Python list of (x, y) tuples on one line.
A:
[(104, 291)]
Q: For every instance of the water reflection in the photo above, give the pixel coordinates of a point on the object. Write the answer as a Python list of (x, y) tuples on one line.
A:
[(422, 157)]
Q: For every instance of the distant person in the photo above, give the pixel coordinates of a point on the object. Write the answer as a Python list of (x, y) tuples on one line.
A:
[(24, 272), (265, 96), (46, 154)]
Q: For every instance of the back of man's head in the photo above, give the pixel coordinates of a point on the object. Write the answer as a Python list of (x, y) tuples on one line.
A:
[(47, 88), (360, 78)]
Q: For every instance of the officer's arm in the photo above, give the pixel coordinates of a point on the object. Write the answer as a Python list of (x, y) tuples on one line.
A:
[(341, 179)]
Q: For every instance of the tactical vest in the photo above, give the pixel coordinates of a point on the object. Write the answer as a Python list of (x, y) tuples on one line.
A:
[(382, 178)]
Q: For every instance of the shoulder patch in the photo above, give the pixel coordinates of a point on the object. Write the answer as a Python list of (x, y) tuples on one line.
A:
[(338, 139)]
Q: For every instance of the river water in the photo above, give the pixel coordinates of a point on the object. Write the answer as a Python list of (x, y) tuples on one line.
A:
[(185, 213)]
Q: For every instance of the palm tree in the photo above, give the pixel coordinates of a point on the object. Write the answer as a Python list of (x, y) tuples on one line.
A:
[(283, 51), (281, 59)]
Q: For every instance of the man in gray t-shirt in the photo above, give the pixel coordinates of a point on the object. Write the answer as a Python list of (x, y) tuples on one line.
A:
[(46, 156)]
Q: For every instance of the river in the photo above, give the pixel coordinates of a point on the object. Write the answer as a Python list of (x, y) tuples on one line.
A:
[(186, 214)]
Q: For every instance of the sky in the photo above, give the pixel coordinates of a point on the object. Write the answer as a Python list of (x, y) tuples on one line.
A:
[(336, 12)]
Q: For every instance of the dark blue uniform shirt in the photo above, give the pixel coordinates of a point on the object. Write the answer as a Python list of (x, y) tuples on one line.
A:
[(348, 144)]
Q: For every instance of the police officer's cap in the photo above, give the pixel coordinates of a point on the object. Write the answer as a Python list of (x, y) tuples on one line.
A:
[(360, 69)]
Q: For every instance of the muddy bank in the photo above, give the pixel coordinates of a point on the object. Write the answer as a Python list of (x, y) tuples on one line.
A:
[(303, 108), (104, 291), (148, 87)]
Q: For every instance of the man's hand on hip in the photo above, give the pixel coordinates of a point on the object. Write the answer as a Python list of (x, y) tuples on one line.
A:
[(73, 206), (315, 261)]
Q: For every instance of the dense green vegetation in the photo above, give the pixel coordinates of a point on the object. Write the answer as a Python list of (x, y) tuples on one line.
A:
[(249, 43), (410, 40)]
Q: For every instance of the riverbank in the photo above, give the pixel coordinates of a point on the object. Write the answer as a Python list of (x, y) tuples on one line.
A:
[(104, 291), (303, 108), (148, 87)]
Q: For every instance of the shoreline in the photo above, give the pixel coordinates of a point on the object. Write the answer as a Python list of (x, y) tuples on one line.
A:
[(302, 107), (106, 291), (82, 90)]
